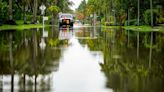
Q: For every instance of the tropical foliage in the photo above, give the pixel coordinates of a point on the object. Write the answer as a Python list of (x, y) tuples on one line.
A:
[(121, 9), (28, 10)]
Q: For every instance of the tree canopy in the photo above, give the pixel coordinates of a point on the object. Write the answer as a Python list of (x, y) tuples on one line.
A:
[(119, 8), (29, 9)]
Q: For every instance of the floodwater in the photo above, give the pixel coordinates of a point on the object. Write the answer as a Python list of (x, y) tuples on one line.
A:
[(83, 59)]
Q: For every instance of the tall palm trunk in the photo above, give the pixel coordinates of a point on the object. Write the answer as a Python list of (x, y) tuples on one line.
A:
[(53, 14), (53, 19), (35, 11), (151, 9), (24, 13), (138, 21), (10, 10)]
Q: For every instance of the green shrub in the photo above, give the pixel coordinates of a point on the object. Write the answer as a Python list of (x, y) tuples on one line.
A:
[(103, 20), (147, 17), (109, 23), (19, 22), (131, 22), (3, 10), (29, 18), (17, 13), (160, 20)]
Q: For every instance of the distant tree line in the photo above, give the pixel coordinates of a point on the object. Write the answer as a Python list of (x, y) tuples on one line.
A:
[(120, 11)]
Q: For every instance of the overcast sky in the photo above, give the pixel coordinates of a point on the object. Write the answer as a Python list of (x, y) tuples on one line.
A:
[(76, 3)]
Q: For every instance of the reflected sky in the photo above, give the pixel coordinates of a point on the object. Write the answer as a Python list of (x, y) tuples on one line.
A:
[(79, 71)]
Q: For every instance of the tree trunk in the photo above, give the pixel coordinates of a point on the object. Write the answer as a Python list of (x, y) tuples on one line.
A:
[(53, 14), (53, 19), (10, 10), (24, 14), (35, 11), (151, 8), (128, 17), (138, 13), (11, 61)]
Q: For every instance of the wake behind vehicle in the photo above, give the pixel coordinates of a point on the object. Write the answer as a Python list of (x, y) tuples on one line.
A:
[(66, 19)]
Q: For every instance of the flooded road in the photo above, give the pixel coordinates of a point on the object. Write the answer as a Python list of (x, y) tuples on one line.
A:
[(79, 70), (83, 59)]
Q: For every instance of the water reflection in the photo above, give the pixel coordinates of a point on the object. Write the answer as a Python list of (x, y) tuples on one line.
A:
[(151, 46), (127, 71), (79, 69), (138, 44), (77, 60), (42, 42), (27, 64), (65, 33), (11, 61)]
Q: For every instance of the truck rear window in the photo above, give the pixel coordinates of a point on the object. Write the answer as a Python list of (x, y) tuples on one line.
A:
[(66, 16)]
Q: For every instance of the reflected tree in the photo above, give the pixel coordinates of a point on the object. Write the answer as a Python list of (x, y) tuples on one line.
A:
[(11, 61), (128, 73), (17, 54)]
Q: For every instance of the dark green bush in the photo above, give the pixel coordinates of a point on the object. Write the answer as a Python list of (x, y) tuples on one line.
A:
[(161, 20), (147, 17), (3, 10), (131, 22), (29, 18), (109, 23)]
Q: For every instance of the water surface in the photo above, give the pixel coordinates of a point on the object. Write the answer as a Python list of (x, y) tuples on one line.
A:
[(84, 59)]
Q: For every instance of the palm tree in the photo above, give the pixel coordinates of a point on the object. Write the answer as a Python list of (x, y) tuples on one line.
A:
[(54, 9), (64, 5)]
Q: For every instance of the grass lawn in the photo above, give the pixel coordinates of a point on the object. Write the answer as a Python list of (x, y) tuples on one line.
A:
[(20, 26), (144, 28), (139, 28)]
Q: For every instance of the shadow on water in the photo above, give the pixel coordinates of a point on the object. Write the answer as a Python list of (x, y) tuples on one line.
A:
[(133, 60)]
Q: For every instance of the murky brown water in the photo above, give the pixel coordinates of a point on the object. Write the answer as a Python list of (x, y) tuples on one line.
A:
[(84, 59)]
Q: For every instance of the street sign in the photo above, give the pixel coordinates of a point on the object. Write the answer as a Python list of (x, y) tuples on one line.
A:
[(42, 8), (45, 18)]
